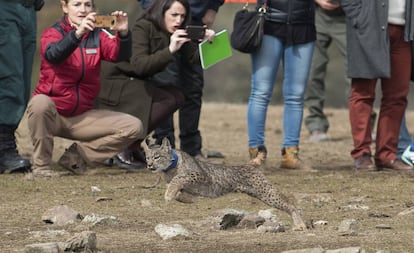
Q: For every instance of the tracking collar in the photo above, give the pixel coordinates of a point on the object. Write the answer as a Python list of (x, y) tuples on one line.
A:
[(174, 161)]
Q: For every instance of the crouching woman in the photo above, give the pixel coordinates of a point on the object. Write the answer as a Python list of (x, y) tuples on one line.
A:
[(62, 103)]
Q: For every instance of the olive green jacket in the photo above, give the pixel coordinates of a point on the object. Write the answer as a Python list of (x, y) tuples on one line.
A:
[(127, 86)]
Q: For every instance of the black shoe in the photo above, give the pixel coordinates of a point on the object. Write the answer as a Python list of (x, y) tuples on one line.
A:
[(12, 162), (126, 161)]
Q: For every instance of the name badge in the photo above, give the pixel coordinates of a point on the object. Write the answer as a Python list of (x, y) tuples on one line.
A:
[(91, 51)]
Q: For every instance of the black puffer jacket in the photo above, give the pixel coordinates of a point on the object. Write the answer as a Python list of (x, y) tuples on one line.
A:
[(289, 11)]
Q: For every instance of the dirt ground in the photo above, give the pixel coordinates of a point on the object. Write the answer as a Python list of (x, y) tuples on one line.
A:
[(326, 195)]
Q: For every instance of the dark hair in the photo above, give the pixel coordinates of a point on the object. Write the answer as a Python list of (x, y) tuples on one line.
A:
[(155, 13)]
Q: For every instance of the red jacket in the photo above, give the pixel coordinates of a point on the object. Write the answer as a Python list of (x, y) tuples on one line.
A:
[(70, 68)]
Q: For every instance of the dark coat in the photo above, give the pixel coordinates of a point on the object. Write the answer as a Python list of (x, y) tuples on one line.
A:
[(368, 46), (127, 86)]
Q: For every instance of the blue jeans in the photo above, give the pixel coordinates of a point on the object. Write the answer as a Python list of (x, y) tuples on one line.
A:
[(296, 62), (404, 138)]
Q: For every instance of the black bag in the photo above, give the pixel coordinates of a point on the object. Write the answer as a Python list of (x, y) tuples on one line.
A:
[(247, 33)]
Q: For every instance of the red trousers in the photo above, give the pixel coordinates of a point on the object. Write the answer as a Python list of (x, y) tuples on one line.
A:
[(393, 103)]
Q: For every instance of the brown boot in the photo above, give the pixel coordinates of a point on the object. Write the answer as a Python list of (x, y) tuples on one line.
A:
[(290, 159), (258, 155), (72, 161)]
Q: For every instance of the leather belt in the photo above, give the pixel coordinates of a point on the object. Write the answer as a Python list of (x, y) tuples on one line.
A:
[(25, 3)]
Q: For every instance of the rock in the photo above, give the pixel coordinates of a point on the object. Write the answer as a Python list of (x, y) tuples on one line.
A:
[(268, 215), (95, 219), (61, 215), (82, 242), (251, 221), (47, 233), (227, 218), (271, 227), (407, 211), (50, 247), (348, 227), (310, 250), (98, 199), (172, 231), (355, 207), (383, 226), (320, 223), (346, 250)]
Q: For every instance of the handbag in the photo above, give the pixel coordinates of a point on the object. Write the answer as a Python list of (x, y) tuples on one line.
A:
[(247, 33)]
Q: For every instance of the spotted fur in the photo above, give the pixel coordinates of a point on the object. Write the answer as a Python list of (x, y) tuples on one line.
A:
[(188, 177)]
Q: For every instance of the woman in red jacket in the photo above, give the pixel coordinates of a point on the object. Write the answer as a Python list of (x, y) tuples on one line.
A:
[(62, 103)]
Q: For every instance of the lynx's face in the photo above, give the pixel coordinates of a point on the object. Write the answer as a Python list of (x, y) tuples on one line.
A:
[(158, 157)]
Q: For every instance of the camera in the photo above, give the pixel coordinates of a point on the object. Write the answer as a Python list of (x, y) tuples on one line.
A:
[(195, 32), (105, 21)]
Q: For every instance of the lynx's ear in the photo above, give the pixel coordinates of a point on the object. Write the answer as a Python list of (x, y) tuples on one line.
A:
[(166, 144), (144, 145)]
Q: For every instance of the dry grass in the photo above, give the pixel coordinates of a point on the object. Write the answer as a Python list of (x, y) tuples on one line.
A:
[(224, 129)]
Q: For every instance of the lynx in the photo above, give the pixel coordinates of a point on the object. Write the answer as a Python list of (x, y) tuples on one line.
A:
[(188, 177)]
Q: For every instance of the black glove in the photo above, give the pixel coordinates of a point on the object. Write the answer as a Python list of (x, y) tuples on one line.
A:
[(38, 4)]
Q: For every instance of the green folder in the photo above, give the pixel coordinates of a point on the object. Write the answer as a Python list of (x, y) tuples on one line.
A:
[(216, 51)]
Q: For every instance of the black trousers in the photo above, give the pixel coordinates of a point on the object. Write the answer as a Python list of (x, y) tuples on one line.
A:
[(191, 83)]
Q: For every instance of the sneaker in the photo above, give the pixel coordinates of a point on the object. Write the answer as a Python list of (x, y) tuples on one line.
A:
[(406, 156), (318, 136), (72, 161)]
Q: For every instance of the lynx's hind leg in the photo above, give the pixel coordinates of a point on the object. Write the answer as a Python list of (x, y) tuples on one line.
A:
[(266, 192), (298, 224)]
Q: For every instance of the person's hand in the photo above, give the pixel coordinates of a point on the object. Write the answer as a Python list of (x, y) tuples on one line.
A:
[(121, 22), (177, 39), (209, 18), (328, 5), (86, 25), (209, 35)]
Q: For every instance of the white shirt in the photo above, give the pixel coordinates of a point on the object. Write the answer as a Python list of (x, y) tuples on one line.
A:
[(396, 12)]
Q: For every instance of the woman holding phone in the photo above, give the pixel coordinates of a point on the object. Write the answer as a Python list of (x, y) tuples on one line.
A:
[(147, 86), (62, 103)]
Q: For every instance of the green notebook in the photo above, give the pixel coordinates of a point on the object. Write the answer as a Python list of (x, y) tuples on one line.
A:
[(216, 51)]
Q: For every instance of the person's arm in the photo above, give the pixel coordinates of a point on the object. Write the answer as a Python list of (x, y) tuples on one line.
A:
[(144, 60), (125, 50), (57, 47), (212, 9)]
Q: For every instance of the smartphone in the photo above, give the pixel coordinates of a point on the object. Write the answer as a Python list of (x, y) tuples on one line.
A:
[(105, 21), (195, 32)]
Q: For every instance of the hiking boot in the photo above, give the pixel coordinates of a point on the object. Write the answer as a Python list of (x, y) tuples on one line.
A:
[(290, 159), (258, 155), (12, 162), (72, 161), (318, 136)]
